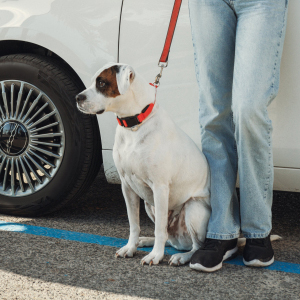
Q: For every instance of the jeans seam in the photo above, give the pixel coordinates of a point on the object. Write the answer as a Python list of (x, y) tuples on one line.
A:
[(230, 3), (272, 96), (276, 61), (196, 66), (269, 166)]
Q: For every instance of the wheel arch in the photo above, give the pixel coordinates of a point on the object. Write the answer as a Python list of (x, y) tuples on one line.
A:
[(19, 47), (8, 47)]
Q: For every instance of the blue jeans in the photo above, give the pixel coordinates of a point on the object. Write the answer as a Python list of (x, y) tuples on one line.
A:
[(238, 46)]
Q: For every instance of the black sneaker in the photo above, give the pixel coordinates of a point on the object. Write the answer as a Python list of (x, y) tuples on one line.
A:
[(258, 252), (210, 256)]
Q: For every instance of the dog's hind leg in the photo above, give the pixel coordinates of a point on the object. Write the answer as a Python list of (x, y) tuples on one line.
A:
[(150, 210), (197, 213), (145, 241)]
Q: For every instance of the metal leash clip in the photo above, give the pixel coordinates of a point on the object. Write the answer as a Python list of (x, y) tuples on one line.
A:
[(159, 75)]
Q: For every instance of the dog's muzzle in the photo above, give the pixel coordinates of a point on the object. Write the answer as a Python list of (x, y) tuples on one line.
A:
[(80, 98)]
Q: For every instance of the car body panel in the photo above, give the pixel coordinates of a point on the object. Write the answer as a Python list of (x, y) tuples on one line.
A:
[(178, 91), (84, 34)]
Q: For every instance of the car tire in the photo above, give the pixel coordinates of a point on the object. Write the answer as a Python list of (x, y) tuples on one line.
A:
[(42, 170)]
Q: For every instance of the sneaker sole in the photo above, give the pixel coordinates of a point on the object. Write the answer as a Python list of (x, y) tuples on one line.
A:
[(228, 255), (258, 263)]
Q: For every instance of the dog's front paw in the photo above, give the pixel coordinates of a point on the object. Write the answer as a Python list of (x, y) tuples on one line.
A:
[(126, 251), (153, 258)]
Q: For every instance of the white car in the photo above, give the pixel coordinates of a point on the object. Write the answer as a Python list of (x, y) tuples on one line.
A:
[(49, 51)]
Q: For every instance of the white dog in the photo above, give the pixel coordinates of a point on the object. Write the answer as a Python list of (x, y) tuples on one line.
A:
[(156, 161)]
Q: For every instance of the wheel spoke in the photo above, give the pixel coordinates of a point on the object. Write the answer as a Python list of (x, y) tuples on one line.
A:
[(26, 175), (42, 159), (34, 103), (5, 175), (20, 176), (49, 153), (43, 119), (25, 104), (38, 166), (2, 163), (2, 117), (1, 110), (4, 99), (32, 170), (46, 135), (12, 177), (46, 104), (44, 127), (19, 99), (12, 88), (46, 144)]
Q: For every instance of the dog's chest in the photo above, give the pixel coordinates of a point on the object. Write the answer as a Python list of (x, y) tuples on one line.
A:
[(130, 157)]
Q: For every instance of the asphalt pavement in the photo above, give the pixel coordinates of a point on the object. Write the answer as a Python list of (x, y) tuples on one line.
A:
[(42, 267)]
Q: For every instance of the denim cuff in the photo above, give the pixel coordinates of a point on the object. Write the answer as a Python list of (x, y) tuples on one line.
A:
[(255, 235), (221, 236)]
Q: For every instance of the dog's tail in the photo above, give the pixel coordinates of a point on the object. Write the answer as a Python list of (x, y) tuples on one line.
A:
[(273, 237)]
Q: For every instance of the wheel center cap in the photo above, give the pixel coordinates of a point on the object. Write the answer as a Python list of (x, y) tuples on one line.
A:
[(13, 138)]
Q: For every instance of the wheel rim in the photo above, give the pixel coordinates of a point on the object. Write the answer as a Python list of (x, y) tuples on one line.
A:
[(32, 139)]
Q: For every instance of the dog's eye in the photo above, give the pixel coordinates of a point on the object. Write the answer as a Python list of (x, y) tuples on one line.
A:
[(101, 83)]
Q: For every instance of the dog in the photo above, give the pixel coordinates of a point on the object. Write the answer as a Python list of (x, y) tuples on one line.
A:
[(156, 162)]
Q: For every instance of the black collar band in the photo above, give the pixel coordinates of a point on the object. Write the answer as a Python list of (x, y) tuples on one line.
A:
[(136, 119)]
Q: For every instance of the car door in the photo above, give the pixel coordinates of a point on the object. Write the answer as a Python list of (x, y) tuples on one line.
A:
[(142, 35)]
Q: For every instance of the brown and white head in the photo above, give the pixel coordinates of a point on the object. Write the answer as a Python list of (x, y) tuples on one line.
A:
[(117, 88)]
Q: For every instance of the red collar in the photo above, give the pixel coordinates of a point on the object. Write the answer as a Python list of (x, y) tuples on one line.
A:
[(139, 118)]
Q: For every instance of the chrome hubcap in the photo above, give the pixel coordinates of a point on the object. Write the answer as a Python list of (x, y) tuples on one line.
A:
[(32, 139), (13, 138)]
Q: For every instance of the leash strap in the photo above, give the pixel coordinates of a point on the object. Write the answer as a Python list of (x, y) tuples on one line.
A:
[(163, 61), (165, 53)]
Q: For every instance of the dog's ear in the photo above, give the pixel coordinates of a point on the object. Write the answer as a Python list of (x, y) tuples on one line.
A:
[(125, 76)]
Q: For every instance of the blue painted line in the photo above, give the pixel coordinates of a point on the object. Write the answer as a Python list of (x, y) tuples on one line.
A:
[(117, 242), (276, 266), (74, 236)]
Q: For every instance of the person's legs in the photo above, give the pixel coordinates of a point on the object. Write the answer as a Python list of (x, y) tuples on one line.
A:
[(259, 43), (248, 35), (213, 25)]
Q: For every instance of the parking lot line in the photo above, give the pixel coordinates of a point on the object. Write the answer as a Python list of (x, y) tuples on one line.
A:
[(118, 242)]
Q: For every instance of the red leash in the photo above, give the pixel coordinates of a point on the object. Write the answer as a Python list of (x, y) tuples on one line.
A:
[(133, 121), (163, 61), (171, 29)]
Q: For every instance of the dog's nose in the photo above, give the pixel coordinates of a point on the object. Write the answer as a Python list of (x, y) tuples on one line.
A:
[(80, 97)]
